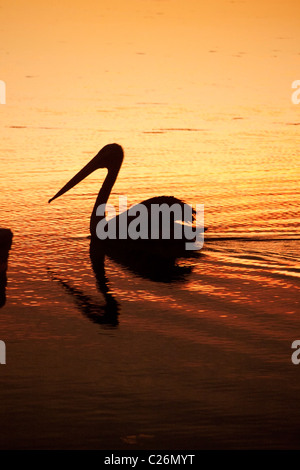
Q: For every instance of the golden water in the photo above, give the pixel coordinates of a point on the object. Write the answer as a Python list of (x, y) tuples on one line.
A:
[(200, 362)]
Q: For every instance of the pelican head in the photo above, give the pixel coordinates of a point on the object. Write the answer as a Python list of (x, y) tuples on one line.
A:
[(110, 157)]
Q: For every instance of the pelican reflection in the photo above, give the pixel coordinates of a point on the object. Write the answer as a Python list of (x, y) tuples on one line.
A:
[(106, 312)]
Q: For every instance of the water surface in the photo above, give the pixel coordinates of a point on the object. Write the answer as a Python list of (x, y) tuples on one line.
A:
[(200, 359)]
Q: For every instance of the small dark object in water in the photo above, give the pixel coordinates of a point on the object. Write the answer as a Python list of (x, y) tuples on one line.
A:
[(5, 244)]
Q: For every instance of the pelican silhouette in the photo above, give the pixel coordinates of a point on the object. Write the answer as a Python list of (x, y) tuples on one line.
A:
[(111, 157)]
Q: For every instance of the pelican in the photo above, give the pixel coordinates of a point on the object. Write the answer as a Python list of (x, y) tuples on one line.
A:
[(111, 157)]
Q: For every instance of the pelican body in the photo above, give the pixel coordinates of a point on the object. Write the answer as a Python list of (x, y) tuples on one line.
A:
[(111, 157)]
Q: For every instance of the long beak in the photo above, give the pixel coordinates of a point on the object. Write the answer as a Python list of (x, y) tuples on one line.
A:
[(86, 171)]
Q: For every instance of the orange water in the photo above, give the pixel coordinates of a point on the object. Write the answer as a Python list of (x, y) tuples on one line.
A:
[(201, 361)]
